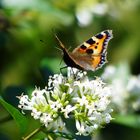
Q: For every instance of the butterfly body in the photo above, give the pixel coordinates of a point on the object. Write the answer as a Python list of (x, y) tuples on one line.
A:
[(90, 55), (70, 61)]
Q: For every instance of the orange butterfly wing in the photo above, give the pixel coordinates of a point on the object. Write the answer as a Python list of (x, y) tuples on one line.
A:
[(91, 55)]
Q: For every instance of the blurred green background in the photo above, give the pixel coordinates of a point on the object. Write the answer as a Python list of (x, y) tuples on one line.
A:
[(26, 62)]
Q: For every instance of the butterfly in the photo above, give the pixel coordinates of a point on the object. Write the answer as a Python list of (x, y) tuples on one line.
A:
[(91, 55)]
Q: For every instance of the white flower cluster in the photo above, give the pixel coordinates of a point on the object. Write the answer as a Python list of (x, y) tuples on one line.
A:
[(126, 88), (75, 96), (86, 14)]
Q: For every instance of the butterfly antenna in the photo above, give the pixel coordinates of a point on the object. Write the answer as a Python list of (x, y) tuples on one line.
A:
[(58, 49), (62, 47), (60, 43), (69, 48)]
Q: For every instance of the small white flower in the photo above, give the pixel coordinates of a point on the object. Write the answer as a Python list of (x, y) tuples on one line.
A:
[(100, 8), (67, 110), (60, 125), (134, 84), (36, 114), (85, 14), (82, 101), (108, 118), (84, 17), (125, 94), (46, 119), (80, 127), (109, 72)]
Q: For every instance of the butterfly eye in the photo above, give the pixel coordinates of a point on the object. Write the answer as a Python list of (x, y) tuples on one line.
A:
[(89, 51)]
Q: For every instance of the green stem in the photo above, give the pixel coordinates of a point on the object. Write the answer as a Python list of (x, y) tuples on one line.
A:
[(33, 133), (49, 137)]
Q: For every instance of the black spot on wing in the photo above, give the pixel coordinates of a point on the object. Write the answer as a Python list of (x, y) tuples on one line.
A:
[(103, 57), (99, 36), (108, 37), (96, 47), (103, 60), (83, 47), (108, 34), (89, 51), (90, 41)]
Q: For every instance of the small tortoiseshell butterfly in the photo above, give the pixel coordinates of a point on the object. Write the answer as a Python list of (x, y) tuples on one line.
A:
[(90, 55)]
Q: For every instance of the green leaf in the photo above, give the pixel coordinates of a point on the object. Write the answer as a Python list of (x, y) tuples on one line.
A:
[(130, 120), (17, 116)]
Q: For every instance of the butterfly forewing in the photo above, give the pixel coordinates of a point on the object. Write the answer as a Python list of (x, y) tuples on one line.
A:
[(93, 51)]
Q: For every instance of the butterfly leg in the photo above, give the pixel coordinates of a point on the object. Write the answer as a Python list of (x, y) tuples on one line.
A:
[(62, 69), (75, 74)]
